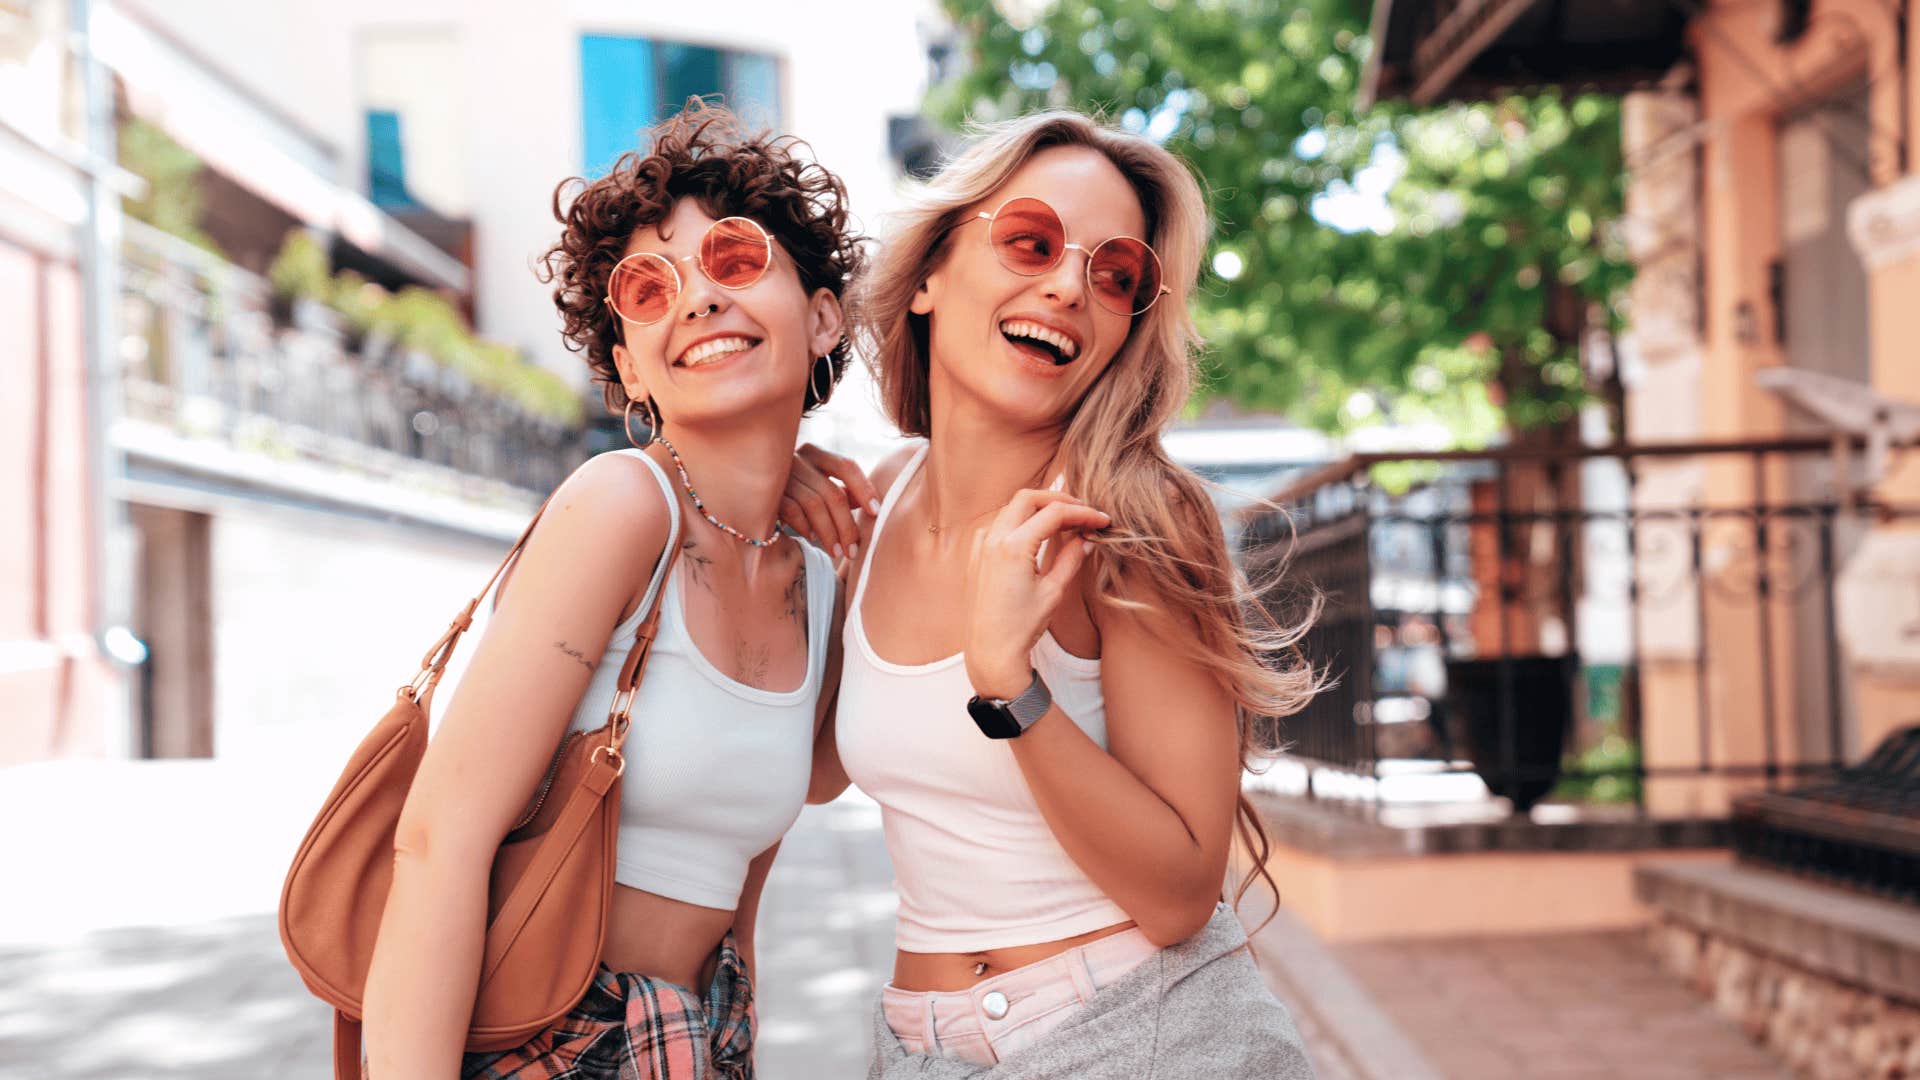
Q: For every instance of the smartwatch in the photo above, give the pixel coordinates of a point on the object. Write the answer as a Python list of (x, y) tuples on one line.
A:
[(1002, 718)]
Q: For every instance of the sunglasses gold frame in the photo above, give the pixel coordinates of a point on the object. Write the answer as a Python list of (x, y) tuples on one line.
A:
[(679, 284), (1068, 245)]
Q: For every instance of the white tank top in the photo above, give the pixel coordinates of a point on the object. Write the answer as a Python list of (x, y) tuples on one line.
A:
[(716, 770), (976, 865)]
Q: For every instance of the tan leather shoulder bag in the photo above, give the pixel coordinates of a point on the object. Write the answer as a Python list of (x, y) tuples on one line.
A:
[(552, 879)]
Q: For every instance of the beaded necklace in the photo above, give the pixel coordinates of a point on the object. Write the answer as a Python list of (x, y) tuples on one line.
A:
[(700, 506)]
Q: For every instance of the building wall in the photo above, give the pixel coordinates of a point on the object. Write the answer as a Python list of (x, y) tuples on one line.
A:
[(516, 101), (318, 619), (1748, 84), (1750, 87), (55, 687), (1885, 589), (1366, 898), (496, 102)]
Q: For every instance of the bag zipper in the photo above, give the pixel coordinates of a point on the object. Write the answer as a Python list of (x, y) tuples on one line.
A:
[(546, 782)]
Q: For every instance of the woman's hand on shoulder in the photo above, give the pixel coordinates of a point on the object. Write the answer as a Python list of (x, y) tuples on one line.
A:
[(824, 492), (832, 502), (1013, 600)]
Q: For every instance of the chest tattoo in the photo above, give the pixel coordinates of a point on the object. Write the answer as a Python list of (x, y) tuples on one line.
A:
[(699, 567), (751, 663), (795, 599)]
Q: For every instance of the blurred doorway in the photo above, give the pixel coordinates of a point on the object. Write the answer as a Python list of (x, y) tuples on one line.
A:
[(173, 616), (1821, 304)]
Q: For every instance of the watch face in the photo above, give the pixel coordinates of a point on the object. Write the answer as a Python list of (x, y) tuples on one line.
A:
[(994, 720)]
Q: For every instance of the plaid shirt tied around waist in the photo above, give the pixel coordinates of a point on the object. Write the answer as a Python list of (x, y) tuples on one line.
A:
[(631, 1027)]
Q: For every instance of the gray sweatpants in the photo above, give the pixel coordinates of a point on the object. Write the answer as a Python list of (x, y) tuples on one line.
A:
[(1197, 1009)]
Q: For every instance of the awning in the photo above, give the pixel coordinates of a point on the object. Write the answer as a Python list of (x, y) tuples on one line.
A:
[(1435, 50), (256, 147)]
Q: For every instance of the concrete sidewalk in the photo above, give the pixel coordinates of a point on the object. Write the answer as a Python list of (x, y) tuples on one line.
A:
[(137, 942), (1560, 1006), (140, 942)]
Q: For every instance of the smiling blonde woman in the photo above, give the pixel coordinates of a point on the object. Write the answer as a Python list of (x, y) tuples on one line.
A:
[(1051, 676)]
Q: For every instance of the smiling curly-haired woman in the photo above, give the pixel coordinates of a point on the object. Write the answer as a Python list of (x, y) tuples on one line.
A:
[(701, 279)]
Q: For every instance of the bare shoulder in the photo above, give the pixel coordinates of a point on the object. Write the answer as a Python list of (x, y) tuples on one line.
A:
[(614, 490), (893, 465), (608, 519)]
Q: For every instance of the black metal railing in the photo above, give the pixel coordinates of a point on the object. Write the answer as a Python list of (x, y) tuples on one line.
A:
[(1860, 828), (202, 355), (1626, 625)]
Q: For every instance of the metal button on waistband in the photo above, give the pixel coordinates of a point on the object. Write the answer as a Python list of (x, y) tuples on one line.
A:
[(994, 1005)]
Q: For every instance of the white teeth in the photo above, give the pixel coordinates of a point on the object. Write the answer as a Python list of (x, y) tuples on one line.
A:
[(1022, 328), (708, 351)]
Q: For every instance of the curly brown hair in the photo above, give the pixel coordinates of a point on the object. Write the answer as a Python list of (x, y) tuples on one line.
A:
[(702, 152)]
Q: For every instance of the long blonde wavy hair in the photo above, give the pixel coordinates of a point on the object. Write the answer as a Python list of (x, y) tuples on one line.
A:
[(1166, 555)]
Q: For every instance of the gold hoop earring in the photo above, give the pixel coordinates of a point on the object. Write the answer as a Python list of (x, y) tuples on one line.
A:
[(652, 416), (820, 396)]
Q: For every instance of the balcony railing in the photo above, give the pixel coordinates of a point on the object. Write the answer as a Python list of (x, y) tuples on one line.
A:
[(202, 356), (1651, 626)]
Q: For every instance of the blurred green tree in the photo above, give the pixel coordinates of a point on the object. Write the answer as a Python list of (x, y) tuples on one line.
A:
[(1393, 265)]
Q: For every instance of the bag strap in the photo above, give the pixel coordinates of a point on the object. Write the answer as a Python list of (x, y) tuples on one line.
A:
[(605, 764), (603, 769), (434, 664), (620, 712), (346, 1047)]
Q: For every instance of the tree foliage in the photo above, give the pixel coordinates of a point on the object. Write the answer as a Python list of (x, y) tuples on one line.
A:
[(1426, 314), (175, 200)]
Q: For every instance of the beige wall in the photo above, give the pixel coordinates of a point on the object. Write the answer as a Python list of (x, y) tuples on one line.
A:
[(1347, 900), (1748, 85)]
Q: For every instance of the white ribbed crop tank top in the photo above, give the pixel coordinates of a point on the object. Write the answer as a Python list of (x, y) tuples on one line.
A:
[(975, 864), (716, 770)]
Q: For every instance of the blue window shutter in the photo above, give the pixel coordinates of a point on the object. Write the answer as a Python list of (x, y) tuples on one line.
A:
[(386, 160), (688, 71), (616, 97)]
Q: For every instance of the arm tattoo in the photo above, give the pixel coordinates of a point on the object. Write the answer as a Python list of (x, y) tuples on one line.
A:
[(751, 663), (698, 565), (575, 654)]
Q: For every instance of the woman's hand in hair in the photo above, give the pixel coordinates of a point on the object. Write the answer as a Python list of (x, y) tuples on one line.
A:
[(1013, 599), (824, 490)]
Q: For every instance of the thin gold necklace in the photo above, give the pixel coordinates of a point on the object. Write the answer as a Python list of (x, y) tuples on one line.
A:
[(937, 527)]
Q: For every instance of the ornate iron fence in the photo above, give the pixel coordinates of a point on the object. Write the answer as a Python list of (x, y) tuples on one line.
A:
[(202, 355), (1574, 623)]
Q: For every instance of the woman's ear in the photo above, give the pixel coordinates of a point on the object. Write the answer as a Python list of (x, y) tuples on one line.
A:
[(826, 322), (629, 374), (923, 298)]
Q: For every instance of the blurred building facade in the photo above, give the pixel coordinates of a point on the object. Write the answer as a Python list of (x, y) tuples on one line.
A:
[(51, 667), (235, 504), (1774, 213), (1700, 637), (474, 112)]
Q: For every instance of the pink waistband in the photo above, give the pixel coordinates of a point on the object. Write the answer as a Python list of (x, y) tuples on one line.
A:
[(1016, 997)]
